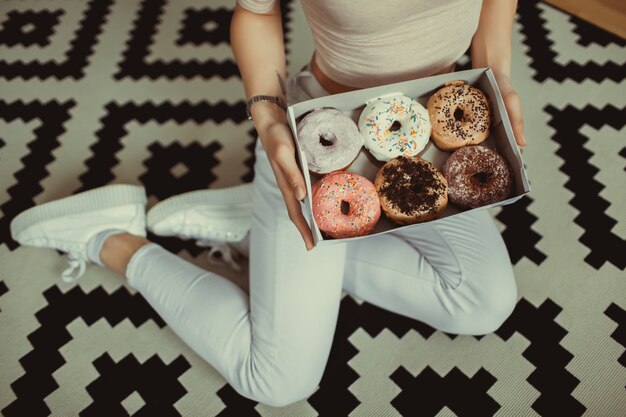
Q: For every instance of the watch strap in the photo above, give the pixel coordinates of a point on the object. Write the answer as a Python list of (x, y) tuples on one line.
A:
[(271, 99)]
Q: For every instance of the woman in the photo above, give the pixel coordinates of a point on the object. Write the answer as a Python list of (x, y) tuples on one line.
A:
[(272, 345)]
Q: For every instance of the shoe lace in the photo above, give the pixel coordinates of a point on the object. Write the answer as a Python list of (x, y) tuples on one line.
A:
[(220, 253), (74, 261)]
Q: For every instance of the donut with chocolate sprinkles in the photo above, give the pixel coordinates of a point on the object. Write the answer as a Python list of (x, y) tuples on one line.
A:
[(459, 116), (411, 190), (477, 176)]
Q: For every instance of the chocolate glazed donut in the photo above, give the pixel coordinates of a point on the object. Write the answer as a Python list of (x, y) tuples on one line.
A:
[(477, 176), (411, 190)]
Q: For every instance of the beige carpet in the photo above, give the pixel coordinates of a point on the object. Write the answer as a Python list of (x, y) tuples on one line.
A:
[(147, 93)]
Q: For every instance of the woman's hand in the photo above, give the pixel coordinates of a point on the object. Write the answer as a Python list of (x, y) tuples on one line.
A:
[(279, 146), (491, 47), (257, 42), (513, 105)]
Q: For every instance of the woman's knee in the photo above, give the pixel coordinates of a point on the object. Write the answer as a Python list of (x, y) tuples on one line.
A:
[(490, 309), (287, 390), (278, 379)]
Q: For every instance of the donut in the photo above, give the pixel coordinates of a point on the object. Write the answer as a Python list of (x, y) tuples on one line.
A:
[(477, 176), (411, 190), (459, 114), (329, 139), (345, 205), (394, 126)]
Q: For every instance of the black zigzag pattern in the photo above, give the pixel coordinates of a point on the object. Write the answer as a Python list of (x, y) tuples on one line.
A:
[(236, 405), (40, 363), (249, 162), (53, 116), (110, 136), (77, 57), (542, 53), (187, 163), (551, 378), (605, 246), (286, 10), (29, 27), (198, 160), (3, 290), (205, 26), (156, 383), (520, 238), (462, 395), (618, 315), (333, 398), (588, 34), (134, 63)]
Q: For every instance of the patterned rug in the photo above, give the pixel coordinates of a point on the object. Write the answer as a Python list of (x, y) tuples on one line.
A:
[(146, 92)]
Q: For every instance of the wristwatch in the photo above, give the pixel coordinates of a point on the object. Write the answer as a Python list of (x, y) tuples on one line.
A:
[(272, 99)]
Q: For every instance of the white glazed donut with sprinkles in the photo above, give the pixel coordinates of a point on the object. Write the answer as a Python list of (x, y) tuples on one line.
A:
[(394, 126)]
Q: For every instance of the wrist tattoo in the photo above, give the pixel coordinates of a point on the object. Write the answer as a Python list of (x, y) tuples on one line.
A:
[(281, 83)]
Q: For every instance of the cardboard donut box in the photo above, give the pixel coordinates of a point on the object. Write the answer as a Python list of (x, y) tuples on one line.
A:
[(352, 103)]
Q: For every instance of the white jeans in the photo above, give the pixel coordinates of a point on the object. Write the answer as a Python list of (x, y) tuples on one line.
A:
[(272, 345)]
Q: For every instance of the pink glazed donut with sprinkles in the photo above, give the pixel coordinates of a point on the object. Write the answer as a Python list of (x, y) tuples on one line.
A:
[(345, 205)]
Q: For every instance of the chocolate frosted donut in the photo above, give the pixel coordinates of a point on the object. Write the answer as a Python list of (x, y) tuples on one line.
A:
[(329, 139), (477, 176), (411, 190), (459, 115)]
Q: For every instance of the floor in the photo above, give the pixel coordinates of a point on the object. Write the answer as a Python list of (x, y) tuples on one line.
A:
[(607, 14), (146, 92)]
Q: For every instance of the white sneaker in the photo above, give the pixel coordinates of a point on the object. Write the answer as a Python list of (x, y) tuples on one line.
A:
[(213, 218), (68, 224)]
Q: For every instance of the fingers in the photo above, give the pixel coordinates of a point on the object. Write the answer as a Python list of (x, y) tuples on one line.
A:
[(513, 105), (293, 206), (281, 153), (284, 157)]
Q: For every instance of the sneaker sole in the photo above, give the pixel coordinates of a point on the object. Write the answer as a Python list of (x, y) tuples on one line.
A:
[(96, 199), (240, 195)]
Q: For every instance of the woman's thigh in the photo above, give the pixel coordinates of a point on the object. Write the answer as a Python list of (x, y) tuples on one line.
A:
[(454, 274), (294, 293)]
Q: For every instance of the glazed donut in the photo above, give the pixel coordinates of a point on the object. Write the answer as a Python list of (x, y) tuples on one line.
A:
[(394, 126), (345, 205), (329, 139), (411, 190), (477, 176), (459, 114)]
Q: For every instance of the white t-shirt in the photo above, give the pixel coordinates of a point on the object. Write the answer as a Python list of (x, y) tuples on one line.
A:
[(362, 43)]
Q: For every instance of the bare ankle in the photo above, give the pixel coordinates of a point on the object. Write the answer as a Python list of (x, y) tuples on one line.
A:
[(118, 249)]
